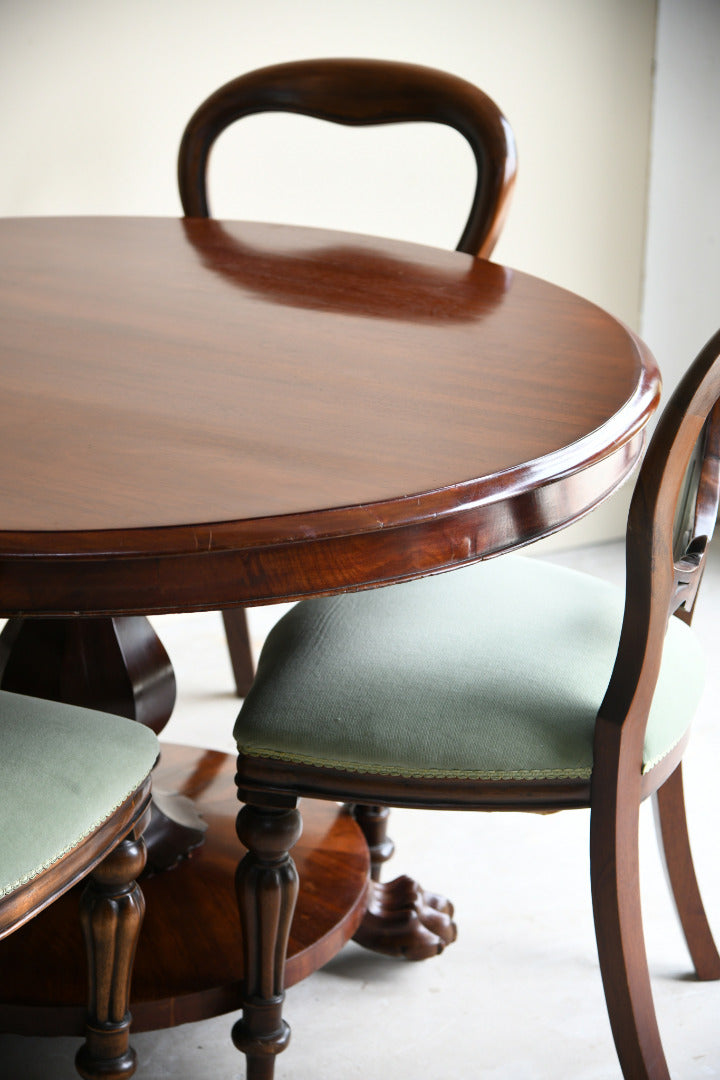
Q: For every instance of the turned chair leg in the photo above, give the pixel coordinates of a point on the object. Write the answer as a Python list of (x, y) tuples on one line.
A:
[(237, 633), (373, 821), (112, 909), (267, 886), (615, 879), (671, 823)]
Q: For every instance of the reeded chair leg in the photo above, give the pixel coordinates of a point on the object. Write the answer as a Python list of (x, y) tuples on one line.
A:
[(112, 910), (267, 886), (671, 823), (237, 633), (615, 879)]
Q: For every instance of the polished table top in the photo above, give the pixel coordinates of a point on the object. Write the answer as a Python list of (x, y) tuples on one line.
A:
[(195, 413)]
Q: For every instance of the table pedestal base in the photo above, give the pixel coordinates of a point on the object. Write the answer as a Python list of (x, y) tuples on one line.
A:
[(189, 960), (402, 918), (406, 921)]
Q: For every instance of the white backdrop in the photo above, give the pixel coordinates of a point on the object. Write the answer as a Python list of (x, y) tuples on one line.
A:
[(681, 307)]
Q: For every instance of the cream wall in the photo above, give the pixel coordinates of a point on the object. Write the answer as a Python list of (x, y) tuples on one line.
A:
[(682, 290), (94, 95)]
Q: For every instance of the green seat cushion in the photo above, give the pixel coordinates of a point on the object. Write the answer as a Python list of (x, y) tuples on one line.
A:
[(63, 771), (494, 671)]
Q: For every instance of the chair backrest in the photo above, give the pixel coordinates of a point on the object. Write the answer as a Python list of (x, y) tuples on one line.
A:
[(670, 525), (363, 92)]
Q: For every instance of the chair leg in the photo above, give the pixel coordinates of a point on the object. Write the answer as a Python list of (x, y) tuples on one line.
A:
[(238, 642), (672, 829), (112, 909), (373, 820), (267, 886), (615, 880)]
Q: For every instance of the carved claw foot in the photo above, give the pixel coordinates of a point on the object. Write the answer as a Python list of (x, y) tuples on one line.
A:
[(403, 920)]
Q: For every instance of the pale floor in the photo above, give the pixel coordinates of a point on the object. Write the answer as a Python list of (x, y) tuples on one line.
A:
[(518, 997)]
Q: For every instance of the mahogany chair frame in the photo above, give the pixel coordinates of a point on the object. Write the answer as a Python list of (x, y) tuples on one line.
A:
[(661, 582), (112, 857), (354, 92)]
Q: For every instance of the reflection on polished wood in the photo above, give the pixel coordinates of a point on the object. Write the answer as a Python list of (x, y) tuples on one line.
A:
[(283, 449), (189, 967)]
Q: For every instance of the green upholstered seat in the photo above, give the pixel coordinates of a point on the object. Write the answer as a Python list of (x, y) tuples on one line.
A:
[(494, 671), (63, 771)]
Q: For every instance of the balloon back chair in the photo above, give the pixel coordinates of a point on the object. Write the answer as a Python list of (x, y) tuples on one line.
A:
[(513, 684), (74, 801), (354, 93)]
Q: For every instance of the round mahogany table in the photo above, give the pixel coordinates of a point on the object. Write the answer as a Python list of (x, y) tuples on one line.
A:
[(197, 414)]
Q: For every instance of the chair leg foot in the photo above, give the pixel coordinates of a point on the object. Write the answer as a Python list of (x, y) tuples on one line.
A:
[(672, 829), (112, 910), (267, 886), (615, 879)]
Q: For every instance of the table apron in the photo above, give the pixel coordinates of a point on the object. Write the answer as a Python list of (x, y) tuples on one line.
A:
[(208, 580)]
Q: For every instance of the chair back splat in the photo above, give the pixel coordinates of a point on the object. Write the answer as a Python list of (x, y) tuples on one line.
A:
[(670, 526)]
